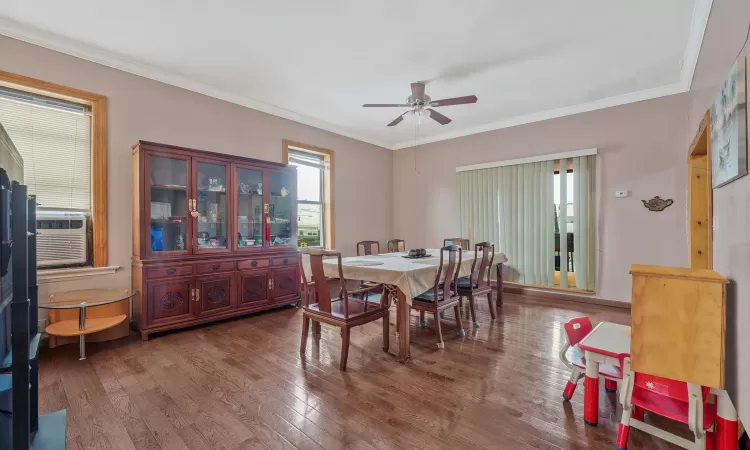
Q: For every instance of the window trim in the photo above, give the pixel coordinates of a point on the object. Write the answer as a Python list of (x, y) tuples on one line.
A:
[(329, 206), (98, 105)]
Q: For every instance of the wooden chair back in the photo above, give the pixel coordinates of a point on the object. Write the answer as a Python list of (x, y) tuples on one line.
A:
[(320, 289), (396, 245), (452, 265), (366, 248), (461, 242), (488, 256)]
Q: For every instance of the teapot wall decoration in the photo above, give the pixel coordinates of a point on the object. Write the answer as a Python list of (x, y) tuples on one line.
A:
[(657, 203)]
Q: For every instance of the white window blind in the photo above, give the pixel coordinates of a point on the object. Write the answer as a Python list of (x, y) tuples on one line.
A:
[(54, 138), (310, 195)]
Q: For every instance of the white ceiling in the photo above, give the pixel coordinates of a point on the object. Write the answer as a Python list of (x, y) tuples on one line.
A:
[(317, 62)]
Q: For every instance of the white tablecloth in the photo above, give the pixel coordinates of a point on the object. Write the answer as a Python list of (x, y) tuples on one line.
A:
[(412, 276)]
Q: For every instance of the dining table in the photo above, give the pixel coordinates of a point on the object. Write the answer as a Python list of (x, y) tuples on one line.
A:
[(404, 278), (604, 345)]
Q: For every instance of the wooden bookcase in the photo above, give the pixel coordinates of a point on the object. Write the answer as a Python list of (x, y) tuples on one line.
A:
[(214, 236)]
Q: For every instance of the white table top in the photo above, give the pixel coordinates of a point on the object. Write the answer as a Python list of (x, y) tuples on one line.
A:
[(412, 276), (609, 339)]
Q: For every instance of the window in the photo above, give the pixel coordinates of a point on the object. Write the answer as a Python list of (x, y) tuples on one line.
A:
[(569, 202), (54, 139), (314, 181), (60, 133)]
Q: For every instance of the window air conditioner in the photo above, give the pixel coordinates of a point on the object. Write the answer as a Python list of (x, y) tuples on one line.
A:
[(61, 239)]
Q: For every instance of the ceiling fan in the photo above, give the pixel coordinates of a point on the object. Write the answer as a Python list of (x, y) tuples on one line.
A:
[(419, 103)]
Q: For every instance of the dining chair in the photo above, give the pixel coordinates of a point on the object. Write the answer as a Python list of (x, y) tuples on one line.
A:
[(440, 298), (396, 245), (478, 281), (573, 357), (677, 400), (461, 242), (366, 248), (348, 310)]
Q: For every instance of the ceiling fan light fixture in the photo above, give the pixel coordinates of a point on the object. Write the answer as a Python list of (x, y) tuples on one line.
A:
[(416, 115)]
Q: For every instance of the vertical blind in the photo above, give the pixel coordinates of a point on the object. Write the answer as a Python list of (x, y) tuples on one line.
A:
[(514, 207), (54, 138), (584, 195)]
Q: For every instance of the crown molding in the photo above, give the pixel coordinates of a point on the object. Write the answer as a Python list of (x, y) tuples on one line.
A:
[(699, 21), (31, 35), (698, 24)]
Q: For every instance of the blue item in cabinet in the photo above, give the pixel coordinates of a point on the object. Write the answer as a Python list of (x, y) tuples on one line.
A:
[(157, 239)]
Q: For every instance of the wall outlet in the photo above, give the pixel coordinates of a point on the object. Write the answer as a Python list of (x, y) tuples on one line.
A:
[(42, 324), (621, 194)]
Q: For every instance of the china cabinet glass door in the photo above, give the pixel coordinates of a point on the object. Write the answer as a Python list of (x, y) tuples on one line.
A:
[(281, 216), (210, 207), (169, 204), (249, 185)]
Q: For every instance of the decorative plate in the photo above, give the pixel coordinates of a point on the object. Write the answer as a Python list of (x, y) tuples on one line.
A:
[(417, 257)]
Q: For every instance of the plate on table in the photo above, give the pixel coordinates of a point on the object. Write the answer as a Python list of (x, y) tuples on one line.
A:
[(417, 257)]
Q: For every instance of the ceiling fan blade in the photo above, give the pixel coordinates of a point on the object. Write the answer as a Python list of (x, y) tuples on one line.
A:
[(441, 119), (397, 120), (417, 91), (384, 105), (454, 101)]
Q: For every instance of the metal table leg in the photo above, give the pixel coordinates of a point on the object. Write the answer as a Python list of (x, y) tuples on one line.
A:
[(82, 326)]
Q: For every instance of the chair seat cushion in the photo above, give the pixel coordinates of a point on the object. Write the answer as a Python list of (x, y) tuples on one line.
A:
[(356, 307), (429, 296), (465, 283), (669, 407), (575, 356)]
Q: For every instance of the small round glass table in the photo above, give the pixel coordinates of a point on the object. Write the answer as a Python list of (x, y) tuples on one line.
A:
[(81, 300)]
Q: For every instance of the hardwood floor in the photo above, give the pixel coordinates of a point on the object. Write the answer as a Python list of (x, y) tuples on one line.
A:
[(242, 385)]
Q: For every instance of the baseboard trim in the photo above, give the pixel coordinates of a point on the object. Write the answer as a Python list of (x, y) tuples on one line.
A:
[(557, 295)]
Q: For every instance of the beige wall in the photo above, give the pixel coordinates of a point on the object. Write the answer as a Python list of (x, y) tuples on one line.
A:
[(140, 108), (725, 34), (642, 149)]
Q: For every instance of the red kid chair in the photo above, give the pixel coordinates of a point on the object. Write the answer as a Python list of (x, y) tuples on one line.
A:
[(573, 357), (677, 400)]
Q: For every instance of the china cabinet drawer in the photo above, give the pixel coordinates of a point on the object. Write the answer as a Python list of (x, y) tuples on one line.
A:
[(169, 271), (215, 267), (246, 264), (285, 261)]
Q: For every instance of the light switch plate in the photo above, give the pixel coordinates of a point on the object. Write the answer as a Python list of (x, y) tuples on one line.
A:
[(621, 194)]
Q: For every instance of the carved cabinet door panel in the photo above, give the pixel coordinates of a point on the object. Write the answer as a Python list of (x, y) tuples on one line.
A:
[(170, 300), (253, 288), (286, 282), (215, 294)]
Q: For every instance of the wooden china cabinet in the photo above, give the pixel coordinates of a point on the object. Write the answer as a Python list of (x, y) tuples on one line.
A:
[(214, 236)]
